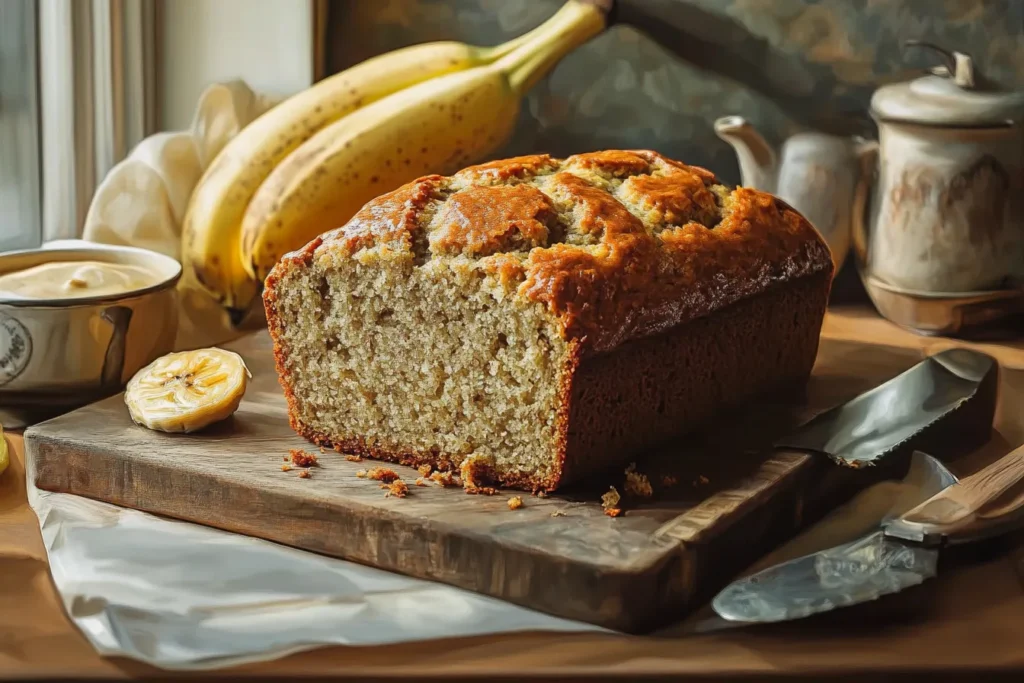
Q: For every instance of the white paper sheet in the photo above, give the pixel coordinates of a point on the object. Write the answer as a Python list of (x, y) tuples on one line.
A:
[(182, 596)]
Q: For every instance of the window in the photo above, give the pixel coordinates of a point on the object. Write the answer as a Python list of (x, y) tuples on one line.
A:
[(76, 94), (20, 203)]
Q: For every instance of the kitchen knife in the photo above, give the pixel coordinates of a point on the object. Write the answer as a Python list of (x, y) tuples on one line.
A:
[(944, 403), (903, 553)]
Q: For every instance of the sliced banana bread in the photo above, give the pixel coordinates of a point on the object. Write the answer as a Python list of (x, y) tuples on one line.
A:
[(544, 318)]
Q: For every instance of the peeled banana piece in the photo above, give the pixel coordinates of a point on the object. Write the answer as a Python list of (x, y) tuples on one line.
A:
[(210, 234), (188, 390), (438, 126)]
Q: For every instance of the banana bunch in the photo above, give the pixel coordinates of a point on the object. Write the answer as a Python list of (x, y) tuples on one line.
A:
[(311, 162)]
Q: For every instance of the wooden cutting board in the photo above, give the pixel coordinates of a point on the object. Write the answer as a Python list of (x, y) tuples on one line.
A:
[(730, 503)]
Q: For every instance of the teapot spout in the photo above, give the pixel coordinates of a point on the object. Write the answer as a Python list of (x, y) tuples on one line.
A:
[(758, 164)]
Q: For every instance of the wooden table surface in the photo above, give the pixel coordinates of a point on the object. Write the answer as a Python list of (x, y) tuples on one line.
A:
[(970, 621)]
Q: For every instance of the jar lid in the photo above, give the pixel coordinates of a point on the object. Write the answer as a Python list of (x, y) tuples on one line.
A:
[(956, 94)]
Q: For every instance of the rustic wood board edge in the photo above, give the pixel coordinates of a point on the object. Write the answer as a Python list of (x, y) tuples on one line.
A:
[(637, 595), (642, 594)]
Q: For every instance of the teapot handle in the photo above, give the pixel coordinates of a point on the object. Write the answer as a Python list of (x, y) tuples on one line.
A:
[(867, 156), (958, 66)]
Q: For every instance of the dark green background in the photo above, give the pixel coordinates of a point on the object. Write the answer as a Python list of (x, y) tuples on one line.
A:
[(622, 90)]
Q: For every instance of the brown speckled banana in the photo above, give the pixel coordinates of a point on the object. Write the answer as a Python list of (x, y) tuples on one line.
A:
[(210, 235), (438, 126)]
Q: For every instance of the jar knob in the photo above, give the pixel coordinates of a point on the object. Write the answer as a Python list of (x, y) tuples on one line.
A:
[(957, 65)]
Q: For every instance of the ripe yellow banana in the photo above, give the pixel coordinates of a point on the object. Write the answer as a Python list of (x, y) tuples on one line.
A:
[(210, 248), (437, 126)]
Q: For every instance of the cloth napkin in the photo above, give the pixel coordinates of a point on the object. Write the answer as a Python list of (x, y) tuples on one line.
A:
[(142, 201)]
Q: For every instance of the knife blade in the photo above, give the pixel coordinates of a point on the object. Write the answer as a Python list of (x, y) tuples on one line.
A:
[(944, 401), (903, 553)]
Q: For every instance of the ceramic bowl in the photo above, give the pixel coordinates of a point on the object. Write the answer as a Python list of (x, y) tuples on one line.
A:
[(56, 354)]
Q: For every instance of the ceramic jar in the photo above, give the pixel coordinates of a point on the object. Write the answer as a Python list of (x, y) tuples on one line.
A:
[(946, 213)]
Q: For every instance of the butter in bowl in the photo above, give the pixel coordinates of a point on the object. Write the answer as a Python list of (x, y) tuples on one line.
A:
[(77, 323)]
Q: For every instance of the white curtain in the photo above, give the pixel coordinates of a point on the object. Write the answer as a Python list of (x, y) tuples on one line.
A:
[(97, 76)]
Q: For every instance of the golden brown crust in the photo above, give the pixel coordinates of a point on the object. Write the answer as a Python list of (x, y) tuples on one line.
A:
[(503, 170), (483, 220), (675, 199), (618, 244), (391, 218), (616, 162)]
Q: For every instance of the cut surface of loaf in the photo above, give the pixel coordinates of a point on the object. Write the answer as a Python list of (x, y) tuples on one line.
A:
[(538, 319)]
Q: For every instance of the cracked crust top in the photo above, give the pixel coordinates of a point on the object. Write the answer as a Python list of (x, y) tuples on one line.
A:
[(617, 244)]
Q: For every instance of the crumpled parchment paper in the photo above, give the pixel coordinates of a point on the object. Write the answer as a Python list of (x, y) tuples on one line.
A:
[(182, 596)]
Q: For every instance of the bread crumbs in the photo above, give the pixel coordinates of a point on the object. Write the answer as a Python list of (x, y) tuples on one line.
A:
[(354, 458), (285, 458), (637, 484), (613, 512), (421, 482), (398, 489), (446, 479), (611, 499), (361, 474), (286, 468), (473, 471), (668, 481), (383, 474), (424, 470), (700, 481), (515, 502), (481, 491), (305, 474), (558, 513), (301, 458)]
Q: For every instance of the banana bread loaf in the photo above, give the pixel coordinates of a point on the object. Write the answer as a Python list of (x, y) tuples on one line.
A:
[(542, 318)]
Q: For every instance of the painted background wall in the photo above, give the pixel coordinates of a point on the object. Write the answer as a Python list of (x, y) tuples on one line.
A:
[(623, 90)]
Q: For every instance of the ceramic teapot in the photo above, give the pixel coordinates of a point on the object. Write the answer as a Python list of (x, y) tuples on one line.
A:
[(815, 173), (946, 212)]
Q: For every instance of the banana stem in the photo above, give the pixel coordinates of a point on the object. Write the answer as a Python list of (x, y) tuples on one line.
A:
[(574, 24), (492, 54)]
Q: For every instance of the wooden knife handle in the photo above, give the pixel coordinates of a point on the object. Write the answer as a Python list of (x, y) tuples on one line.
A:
[(985, 504)]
